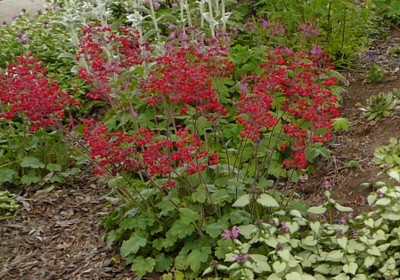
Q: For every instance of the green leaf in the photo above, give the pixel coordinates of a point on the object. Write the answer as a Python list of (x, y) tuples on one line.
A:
[(242, 201), (221, 196), (374, 251), (315, 226), (163, 263), (350, 268), (215, 229), (141, 266), (279, 266), (343, 208), (335, 256), (180, 230), (383, 201), (188, 216), (53, 167), (317, 210), (262, 263), (30, 178), (7, 175), (293, 276), (132, 245), (342, 241), (284, 254), (197, 257), (247, 230), (309, 241), (341, 124), (32, 162), (323, 268), (391, 216), (267, 201), (369, 261), (200, 195)]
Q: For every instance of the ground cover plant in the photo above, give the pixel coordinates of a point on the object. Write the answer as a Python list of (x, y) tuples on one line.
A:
[(200, 134)]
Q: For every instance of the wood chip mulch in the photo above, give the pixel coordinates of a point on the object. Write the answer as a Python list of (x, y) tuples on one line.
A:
[(57, 235)]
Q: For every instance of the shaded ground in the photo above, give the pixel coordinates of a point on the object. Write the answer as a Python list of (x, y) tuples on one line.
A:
[(56, 235)]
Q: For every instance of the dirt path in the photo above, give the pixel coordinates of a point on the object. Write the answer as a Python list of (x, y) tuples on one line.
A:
[(10, 8)]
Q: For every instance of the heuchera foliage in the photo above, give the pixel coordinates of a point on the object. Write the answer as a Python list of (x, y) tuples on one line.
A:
[(25, 91)]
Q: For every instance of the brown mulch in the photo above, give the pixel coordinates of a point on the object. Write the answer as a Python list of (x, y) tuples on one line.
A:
[(57, 235)]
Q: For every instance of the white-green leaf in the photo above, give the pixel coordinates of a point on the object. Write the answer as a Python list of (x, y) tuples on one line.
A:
[(242, 201), (318, 210), (350, 268), (279, 266), (342, 208), (267, 201), (293, 276), (369, 260)]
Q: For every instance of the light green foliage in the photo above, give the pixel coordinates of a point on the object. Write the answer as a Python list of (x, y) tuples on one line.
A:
[(365, 247), (375, 73), (341, 124), (8, 204), (388, 156), (381, 106)]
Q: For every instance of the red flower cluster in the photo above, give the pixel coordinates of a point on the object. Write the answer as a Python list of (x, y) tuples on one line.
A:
[(107, 54), (183, 77), (291, 91), (24, 89), (143, 153)]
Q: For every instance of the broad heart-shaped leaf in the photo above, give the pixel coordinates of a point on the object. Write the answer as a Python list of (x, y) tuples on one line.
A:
[(163, 263), (32, 162), (132, 245), (369, 260), (53, 167), (7, 175), (141, 266), (267, 201), (180, 230), (188, 216), (350, 268), (242, 201), (293, 276), (198, 256), (215, 229), (30, 178), (279, 266)]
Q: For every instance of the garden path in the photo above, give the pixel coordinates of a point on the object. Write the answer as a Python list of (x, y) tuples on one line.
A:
[(10, 8)]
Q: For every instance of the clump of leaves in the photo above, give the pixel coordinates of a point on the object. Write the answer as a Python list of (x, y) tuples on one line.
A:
[(8, 204), (388, 156), (381, 106), (375, 73), (297, 245)]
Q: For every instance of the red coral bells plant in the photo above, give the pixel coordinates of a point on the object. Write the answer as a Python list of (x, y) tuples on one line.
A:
[(291, 96), (25, 91), (185, 144), (106, 54)]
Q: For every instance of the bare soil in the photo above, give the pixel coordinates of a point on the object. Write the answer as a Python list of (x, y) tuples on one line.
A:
[(57, 233)]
